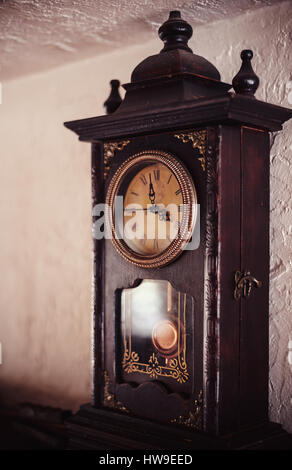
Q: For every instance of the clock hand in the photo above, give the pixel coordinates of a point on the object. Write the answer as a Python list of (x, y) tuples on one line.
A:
[(151, 191), (156, 210), (136, 209)]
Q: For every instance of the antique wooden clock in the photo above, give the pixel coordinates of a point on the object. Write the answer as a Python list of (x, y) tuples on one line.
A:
[(181, 256)]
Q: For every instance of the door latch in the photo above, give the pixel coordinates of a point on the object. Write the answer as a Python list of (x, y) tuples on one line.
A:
[(244, 283)]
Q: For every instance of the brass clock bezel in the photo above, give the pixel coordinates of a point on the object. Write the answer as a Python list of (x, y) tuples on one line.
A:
[(189, 213)]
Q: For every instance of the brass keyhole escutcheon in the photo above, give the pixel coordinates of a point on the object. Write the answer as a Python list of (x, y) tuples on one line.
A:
[(244, 282)]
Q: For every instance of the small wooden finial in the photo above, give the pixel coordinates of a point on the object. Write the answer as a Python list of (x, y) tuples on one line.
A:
[(175, 32), (246, 81), (114, 100)]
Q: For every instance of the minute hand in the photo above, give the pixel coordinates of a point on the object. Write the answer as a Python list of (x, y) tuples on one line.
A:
[(151, 191), (148, 209)]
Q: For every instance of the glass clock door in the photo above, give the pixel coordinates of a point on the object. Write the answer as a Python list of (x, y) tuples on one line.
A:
[(155, 331)]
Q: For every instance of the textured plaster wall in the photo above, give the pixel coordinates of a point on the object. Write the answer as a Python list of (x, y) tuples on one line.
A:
[(36, 35), (45, 320)]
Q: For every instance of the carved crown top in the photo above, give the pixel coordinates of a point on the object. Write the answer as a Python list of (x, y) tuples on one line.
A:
[(178, 89), (176, 58)]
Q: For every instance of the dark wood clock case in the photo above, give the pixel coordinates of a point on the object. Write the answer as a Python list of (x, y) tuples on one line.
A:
[(177, 103)]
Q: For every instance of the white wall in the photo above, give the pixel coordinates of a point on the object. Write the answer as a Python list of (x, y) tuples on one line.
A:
[(45, 319)]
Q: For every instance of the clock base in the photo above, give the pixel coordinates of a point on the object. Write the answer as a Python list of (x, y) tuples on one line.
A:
[(100, 429)]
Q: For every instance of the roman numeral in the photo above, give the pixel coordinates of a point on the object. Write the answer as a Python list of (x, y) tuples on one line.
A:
[(156, 174), (178, 192), (143, 179), (169, 178), (155, 243), (135, 194)]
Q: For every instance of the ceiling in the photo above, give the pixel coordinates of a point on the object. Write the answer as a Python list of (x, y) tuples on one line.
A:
[(39, 34)]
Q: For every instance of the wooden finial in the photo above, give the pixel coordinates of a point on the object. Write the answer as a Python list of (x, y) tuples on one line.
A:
[(114, 100), (175, 32), (246, 81)]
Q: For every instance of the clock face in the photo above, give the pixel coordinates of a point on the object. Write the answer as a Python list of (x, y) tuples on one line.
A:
[(159, 205), (152, 208)]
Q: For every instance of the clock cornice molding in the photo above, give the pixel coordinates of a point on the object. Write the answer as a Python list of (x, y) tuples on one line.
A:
[(229, 108)]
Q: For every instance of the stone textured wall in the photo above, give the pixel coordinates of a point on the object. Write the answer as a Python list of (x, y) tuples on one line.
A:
[(45, 321)]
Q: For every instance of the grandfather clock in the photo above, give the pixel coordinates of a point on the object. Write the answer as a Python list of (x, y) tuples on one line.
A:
[(181, 257)]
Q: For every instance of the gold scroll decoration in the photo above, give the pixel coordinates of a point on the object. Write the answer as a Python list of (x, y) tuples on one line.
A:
[(174, 368), (109, 400), (198, 140), (109, 149), (195, 418)]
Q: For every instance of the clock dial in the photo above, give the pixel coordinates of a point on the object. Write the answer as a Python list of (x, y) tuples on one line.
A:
[(152, 208), (158, 214)]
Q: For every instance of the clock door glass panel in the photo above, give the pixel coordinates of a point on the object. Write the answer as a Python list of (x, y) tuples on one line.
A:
[(156, 336)]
